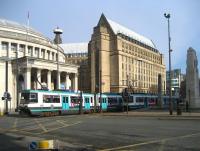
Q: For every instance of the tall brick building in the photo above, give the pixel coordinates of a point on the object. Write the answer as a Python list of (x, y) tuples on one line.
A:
[(118, 57)]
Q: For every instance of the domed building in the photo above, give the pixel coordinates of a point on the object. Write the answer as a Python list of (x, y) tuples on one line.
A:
[(31, 61)]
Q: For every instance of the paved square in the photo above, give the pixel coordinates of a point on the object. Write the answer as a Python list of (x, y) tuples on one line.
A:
[(100, 132)]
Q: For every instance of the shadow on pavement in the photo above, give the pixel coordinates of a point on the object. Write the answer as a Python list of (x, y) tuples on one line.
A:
[(9, 143)]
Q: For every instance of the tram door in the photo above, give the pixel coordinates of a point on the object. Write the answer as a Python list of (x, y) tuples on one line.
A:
[(87, 103), (104, 104), (65, 103)]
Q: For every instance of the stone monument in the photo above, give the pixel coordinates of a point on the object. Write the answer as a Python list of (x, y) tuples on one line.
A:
[(192, 80)]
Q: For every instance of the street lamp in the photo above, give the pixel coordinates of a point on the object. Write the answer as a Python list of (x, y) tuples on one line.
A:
[(167, 16), (58, 41), (6, 93)]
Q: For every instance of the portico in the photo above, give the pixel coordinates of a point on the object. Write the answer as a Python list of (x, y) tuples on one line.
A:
[(37, 74)]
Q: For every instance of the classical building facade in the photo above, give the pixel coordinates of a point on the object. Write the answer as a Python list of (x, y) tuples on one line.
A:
[(118, 57), (32, 61)]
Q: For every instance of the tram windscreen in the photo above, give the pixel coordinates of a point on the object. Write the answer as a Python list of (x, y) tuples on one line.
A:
[(28, 98)]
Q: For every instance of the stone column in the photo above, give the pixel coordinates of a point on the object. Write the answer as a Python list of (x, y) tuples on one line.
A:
[(49, 79), (38, 78), (52, 56), (33, 52), (58, 80), (67, 81), (27, 78), (17, 51), (9, 50), (75, 82), (26, 50), (39, 53)]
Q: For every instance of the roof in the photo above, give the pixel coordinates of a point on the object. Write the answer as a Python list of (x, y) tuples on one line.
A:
[(20, 27), (117, 28), (74, 48)]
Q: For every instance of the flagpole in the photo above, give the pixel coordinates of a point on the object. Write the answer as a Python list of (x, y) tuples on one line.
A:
[(27, 29)]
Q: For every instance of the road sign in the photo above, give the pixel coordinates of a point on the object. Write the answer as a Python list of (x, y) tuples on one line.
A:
[(33, 146)]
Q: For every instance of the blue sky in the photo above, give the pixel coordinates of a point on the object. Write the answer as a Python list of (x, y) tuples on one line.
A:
[(78, 17)]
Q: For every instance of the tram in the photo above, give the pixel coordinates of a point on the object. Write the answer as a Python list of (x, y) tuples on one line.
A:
[(45, 102), (37, 102)]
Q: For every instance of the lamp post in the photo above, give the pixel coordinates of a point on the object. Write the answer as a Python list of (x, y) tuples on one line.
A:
[(100, 90), (58, 41), (140, 74), (5, 96), (167, 16), (17, 80)]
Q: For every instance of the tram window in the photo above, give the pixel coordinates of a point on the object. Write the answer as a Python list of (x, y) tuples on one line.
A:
[(112, 100), (24, 97), (139, 100), (33, 97), (91, 100), (120, 100), (75, 100), (86, 100), (66, 100), (130, 100), (56, 99), (47, 99)]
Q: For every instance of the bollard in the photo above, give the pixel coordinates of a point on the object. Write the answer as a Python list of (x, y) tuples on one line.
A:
[(43, 145), (1, 113), (179, 111)]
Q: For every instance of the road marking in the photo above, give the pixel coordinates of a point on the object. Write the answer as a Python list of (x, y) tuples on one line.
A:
[(62, 122), (29, 132), (15, 124), (60, 127), (29, 129), (48, 123), (150, 142), (40, 125), (162, 145)]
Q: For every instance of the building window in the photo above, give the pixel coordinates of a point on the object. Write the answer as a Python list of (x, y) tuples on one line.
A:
[(21, 48), (37, 52), (48, 54), (13, 46), (4, 45), (52, 55), (30, 50), (43, 53), (56, 57)]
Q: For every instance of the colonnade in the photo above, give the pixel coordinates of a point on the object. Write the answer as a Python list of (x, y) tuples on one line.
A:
[(35, 77)]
